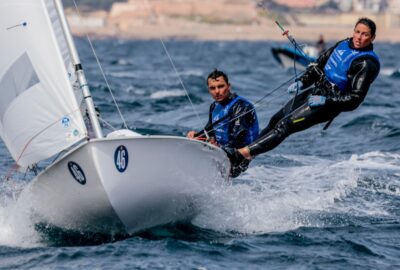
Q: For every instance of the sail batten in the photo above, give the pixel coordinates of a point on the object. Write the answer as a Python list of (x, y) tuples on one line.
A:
[(39, 111)]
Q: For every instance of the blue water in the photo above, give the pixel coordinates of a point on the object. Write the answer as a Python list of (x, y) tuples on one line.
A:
[(321, 200)]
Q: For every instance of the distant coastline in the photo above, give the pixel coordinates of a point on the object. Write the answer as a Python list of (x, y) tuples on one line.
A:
[(232, 33), (194, 20)]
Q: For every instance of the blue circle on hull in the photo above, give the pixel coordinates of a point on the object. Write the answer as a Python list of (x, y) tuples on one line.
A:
[(77, 172), (121, 158)]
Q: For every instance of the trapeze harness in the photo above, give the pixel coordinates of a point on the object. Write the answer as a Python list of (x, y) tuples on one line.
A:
[(340, 61), (221, 130)]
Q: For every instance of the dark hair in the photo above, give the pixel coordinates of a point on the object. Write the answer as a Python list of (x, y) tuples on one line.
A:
[(218, 73), (368, 22)]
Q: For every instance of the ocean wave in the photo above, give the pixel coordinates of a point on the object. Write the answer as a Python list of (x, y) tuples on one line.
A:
[(380, 171), (377, 123), (272, 199), (167, 93), (16, 226), (124, 74), (122, 62), (388, 71), (268, 198), (396, 74)]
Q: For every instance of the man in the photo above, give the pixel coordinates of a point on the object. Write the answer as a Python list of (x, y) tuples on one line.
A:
[(320, 44), (232, 121), (341, 79)]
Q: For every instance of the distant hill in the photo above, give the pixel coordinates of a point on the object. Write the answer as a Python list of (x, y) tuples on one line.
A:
[(91, 4)]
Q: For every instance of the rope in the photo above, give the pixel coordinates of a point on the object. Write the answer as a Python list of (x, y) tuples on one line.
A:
[(202, 123), (102, 71), (181, 82), (295, 75), (107, 123)]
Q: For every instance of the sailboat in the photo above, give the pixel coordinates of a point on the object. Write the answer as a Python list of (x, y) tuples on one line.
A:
[(288, 56), (124, 181)]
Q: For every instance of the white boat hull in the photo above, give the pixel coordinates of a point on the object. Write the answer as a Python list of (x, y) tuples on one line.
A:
[(127, 184)]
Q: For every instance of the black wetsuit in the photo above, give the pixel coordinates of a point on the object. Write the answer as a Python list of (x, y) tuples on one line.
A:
[(238, 129), (297, 115)]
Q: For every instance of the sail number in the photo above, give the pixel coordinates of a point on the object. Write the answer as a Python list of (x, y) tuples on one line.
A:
[(77, 172), (121, 158)]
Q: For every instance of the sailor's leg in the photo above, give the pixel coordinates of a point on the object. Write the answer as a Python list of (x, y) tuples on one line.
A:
[(300, 119), (290, 106)]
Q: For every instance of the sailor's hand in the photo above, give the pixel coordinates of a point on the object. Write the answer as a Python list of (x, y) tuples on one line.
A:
[(191, 134), (213, 141), (295, 87), (316, 101)]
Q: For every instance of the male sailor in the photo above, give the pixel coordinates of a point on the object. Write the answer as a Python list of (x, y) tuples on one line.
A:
[(320, 44), (232, 121), (337, 82)]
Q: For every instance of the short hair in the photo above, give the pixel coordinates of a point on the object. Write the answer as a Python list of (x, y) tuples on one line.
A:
[(368, 22), (218, 73)]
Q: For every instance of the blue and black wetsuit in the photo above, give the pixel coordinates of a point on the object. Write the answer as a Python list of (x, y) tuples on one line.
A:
[(239, 128), (347, 74)]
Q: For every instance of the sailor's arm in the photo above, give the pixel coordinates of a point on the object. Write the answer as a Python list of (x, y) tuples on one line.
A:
[(207, 128), (361, 75), (313, 71), (312, 74)]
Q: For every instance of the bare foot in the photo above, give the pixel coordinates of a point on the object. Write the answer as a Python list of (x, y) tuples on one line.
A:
[(245, 152)]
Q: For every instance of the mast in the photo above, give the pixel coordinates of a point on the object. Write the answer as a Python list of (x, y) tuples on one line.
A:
[(78, 70)]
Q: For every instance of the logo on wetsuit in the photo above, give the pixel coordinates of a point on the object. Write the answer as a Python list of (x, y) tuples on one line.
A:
[(221, 130)]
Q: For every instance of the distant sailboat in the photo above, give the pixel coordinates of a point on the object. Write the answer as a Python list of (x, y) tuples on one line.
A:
[(122, 182), (288, 56)]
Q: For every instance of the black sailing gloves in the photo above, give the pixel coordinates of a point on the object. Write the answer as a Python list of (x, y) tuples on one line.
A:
[(238, 163)]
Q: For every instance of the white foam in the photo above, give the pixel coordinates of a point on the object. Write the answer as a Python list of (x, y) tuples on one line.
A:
[(388, 71), (377, 160), (123, 74), (124, 62), (167, 93), (16, 226), (265, 199), (271, 199), (191, 72), (132, 89)]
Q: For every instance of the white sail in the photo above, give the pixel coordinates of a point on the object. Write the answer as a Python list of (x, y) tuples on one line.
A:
[(39, 113)]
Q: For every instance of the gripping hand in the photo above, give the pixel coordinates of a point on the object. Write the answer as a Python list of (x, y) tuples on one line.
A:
[(295, 87), (315, 101)]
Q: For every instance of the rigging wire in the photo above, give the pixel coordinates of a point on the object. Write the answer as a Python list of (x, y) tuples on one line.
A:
[(255, 104), (101, 70), (181, 82), (296, 79), (150, 7), (180, 78), (297, 47), (107, 123)]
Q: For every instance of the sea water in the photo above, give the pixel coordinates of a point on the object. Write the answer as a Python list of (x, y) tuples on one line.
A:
[(321, 200)]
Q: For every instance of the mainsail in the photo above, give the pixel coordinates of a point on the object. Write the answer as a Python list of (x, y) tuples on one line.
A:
[(39, 112)]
